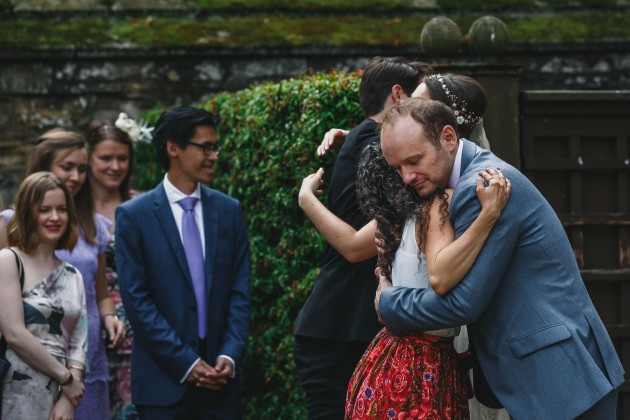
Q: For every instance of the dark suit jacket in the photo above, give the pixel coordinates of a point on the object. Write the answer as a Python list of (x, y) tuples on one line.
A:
[(341, 305), (158, 295), (541, 344)]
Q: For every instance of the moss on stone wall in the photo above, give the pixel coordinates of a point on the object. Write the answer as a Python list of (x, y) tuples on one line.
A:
[(393, 4), (268, 30)]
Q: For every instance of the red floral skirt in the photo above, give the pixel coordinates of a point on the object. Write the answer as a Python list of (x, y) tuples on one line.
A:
[(409, 377)]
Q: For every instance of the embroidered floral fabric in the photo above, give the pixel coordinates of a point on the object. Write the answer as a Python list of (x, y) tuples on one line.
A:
[(409, 377), (120, 358)]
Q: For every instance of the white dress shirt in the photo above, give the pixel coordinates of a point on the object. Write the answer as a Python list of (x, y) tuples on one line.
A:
[(173, 195)]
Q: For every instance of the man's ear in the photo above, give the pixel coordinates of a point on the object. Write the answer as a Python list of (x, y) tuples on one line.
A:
[(449, 136), (397, 93), (172, 149)]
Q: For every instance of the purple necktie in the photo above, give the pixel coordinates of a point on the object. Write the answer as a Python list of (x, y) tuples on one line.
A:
[(194, 256)]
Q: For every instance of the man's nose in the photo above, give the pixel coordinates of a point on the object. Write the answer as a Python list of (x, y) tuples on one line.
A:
[(407, 176)]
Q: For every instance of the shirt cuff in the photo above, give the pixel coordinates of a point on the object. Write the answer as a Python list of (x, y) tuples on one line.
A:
[(189, 370), (233, 375)]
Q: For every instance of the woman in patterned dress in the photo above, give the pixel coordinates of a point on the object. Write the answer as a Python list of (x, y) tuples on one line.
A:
[(44, 322), (64, 153), (110, 157)]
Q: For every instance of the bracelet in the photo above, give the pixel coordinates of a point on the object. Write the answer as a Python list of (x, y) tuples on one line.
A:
[(110, 314), (77, 367), (67, 381)]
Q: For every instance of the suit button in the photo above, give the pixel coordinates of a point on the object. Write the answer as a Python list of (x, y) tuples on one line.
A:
[(193, 308)]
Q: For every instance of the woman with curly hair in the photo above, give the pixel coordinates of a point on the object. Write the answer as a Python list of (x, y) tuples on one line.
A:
[(418, 372), (468, 100)]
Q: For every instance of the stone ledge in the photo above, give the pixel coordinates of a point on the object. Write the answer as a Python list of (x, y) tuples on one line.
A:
[(136, 52)]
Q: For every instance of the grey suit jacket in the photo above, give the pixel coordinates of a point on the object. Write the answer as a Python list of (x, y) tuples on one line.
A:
[(540, 342)]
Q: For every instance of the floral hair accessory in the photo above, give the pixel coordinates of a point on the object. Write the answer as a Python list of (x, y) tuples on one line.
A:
[(463, 115), (135, 131)]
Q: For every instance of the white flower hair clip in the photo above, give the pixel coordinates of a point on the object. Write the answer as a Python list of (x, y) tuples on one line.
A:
[(135, 131)]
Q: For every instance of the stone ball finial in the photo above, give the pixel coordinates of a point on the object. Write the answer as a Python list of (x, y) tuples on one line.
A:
[(488, 35), (440, 36)]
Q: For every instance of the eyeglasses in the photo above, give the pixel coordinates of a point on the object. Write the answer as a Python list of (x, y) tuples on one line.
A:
[(207, 148)]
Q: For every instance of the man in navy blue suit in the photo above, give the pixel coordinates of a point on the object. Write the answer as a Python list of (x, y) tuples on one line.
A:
[(540, 342), (183, 265)]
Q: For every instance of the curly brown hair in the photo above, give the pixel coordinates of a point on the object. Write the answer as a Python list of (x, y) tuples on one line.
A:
[(384, 197)]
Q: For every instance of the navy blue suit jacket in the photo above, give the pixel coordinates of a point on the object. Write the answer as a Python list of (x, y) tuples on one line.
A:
[(541, 344), (158, 295)]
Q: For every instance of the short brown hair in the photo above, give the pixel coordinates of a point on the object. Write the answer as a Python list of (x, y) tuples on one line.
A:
[(22, 229), (432, 115)]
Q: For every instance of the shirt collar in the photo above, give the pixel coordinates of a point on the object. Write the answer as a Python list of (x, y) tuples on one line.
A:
[(457, 166), (174, 195)]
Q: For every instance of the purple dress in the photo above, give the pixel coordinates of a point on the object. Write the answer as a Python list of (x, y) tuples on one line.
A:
[(95, 401)]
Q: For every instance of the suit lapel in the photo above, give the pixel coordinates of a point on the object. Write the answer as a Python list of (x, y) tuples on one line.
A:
[(210, 220), (164, 215)]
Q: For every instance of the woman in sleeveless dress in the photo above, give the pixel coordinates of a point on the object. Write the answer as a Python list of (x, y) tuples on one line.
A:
[(42, 305)]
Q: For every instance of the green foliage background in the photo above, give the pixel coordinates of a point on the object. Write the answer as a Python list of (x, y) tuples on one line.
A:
[(269, 134)]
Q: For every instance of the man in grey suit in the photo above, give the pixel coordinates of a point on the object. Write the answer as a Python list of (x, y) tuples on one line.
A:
[(540, 342)]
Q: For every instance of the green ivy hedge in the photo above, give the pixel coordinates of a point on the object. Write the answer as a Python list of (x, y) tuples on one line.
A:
[(269, 134)]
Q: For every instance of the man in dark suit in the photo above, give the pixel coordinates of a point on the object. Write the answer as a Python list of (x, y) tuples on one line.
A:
[(540, 342), (338, 320), (183, 265)]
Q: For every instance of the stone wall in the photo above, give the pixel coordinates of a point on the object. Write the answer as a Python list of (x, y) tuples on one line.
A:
[(69, 87)]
